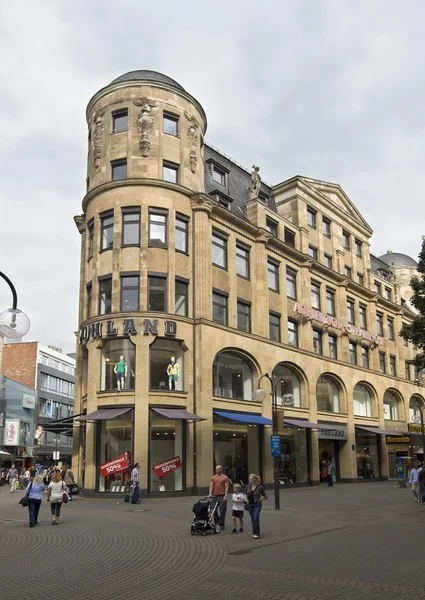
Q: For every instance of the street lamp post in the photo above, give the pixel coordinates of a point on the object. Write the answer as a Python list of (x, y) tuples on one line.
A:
[(260, 394)]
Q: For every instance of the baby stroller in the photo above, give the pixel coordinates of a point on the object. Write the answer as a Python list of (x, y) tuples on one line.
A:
[(203, 520)]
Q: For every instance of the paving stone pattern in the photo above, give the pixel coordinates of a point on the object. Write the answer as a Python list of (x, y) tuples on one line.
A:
[(351, 542)]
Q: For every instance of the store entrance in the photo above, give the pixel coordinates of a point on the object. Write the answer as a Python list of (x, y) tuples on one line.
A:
[(236, 448), (328, 451)]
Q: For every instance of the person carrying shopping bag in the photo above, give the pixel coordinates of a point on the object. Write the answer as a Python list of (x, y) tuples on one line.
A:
[(55, 493)]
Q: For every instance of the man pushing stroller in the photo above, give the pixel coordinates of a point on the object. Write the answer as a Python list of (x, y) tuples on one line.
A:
[(219, 488)]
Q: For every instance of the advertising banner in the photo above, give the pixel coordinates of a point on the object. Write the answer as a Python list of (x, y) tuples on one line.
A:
[(28, 401), (114, 466), (12, 432), (167, 466)]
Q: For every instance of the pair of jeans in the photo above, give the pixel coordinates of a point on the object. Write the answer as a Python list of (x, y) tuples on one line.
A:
[(136, 494), (34, 509), (12, 483), (55, 509), (220, 514), (330, 480), (254, 512)]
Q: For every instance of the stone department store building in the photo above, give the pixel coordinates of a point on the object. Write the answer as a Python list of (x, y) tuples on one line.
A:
[(185, 254)]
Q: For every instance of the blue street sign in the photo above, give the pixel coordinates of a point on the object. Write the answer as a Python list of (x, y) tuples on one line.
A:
[(275, 445)]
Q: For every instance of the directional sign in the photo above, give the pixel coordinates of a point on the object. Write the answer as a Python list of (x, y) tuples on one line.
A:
[(275, 445)]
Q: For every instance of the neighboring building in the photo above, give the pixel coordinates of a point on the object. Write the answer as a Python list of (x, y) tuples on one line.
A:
[(52, 374), (401, 270), (180, 258)]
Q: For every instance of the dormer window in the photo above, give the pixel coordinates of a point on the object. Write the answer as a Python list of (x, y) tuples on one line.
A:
[(223, 201), (218, 175)]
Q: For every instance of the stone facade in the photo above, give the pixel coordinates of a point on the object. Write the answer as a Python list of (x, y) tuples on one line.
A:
[(304, 228)]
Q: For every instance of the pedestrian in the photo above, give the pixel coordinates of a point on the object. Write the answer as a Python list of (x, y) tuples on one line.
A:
[(55, 492), (219, 488), (238, 505), (413, 480), (254, 496), (135, 479), (330, 472), (33, 472), (421, 481), (69, 480), (46, 477), (34, 491), (13, 476)]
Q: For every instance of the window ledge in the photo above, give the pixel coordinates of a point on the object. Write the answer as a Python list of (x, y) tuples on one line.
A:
[(239, 400), (127, 391), (167, 392)]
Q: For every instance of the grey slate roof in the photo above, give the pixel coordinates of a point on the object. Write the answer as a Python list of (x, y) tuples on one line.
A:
[(238, 181), (378, 266), (147, 76), (399, 260)]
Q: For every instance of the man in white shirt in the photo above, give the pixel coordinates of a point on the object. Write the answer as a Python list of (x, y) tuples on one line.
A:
[(414, 481)]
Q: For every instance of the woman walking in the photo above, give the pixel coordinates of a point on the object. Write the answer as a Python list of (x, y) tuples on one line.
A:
[(135, 479), (55, 493), (34, 491), (254, 496)]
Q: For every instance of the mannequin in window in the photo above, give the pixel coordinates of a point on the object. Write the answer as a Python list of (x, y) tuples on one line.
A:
[(120, 371), (173, 373), (228, 462)]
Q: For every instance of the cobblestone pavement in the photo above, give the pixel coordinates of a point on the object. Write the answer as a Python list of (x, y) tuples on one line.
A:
[(358, 541)]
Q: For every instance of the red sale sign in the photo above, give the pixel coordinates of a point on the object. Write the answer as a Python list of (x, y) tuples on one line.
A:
[(113, 466), (167, 466)]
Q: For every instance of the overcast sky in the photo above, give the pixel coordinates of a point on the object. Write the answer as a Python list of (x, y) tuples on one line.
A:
[(328, 89)]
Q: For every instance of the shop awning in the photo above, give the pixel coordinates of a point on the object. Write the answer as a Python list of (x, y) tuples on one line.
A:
[(178, 413), (244, 417), (103, 414), (4, 453), (379, 431)]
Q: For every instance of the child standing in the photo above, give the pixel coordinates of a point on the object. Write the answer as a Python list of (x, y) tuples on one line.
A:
[(238, 506)]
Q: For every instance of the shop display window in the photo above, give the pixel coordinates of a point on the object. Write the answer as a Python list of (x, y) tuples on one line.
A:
[(236, 448), (112, 351), (293, 461), (367, 448), (362, 401), (289, 384), (116, 440), (166, 454), (328, 395), (164, 375), (391, 406), (416, 404), (232, 376)]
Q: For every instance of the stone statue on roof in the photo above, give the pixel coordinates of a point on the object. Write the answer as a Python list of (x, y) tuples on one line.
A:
[(255, 183)]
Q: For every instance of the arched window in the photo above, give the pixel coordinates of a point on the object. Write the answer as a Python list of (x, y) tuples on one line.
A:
[(328, 394), (416, 405), (288, 384), (118, 355), (362, 400), (232, 376), (391, 406)]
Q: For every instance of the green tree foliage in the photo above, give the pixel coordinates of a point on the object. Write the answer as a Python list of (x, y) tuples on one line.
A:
[(415, 332)]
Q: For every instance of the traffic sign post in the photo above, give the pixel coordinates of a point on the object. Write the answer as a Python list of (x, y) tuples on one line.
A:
[(275, 445)]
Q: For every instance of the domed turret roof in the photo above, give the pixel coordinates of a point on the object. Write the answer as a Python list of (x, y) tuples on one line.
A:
[(399, 260), (143, 75)]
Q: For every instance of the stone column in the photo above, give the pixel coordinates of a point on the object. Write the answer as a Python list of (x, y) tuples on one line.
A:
[(304, 295), (141, 408), (94, 360), (202, 207), (260, 306)]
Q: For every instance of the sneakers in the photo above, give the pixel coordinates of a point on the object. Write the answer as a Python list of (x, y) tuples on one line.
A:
[(234, 531), (240, 530), (255, 537)]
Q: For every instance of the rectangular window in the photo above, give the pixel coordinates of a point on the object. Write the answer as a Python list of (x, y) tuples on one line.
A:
[(218, 175), (352, 349), (291, 284), (312, 251), (378, 288), (317, 341), (219, 308), (170, 124), (358, 247), (363, 316), (105, 296), (119, 169), (223, 201), (131, 227), (244, 316), (333, 353), (242, 260), (119, 121), (157, 229), (157, 293), (390, 326), (380, 324), (293, 333), (407, 371), (170, 172), (90, 235), (330, 302), (181, 234), (107, 232), (360, 279), (365, 357), (182, 298), (393, 366), (326, 228), (388, 294), (219, 250), (350, 311), (271, 226), (289, 237), (311, 217), (327, 261), (346, 240), (273, 275), (348, 271), (129, 293), (274, 326), (315, 295), (382, 365), (89, 291)]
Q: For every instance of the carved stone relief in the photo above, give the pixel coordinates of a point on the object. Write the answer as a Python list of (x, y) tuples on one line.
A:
[(145, 122), (98, 128), (192, 138)]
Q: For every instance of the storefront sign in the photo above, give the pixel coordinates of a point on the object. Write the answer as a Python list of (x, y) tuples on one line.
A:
[(129, 327), (114, 466), (414, 428), (334, 433), (39, 432), (49, 409), (11, 432), (398, 439), (28, 401), (2, 416), (275, 445), (168, 466), (316, 315)]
